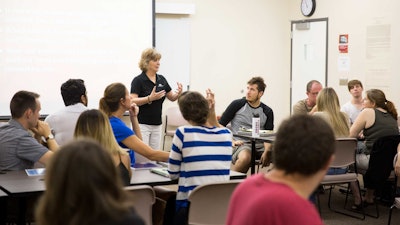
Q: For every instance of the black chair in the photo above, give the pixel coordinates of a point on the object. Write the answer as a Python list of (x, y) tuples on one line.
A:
[(380, 165), (396, 202)]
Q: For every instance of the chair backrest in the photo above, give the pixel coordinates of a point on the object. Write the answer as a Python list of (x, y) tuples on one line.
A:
[(345, 152), (144, 198), (174, 117), (209, 202)]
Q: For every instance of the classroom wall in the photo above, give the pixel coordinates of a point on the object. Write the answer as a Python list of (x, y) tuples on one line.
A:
[(233, 40), (373, 55)]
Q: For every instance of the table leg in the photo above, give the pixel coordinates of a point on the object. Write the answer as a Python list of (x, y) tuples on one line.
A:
[(21, 211), (3, 210), (253, 156)]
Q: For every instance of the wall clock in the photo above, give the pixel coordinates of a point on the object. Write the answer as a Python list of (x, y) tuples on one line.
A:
[(307, 7)]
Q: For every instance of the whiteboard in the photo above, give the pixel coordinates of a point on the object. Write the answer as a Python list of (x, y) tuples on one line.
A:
[(174, 48), (43, 43)]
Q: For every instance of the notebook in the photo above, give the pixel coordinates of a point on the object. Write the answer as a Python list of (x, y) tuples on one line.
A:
[(160, 171), (148, 165), (35, 172)]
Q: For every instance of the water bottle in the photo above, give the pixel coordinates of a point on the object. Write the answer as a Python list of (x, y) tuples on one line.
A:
[(255, 128)]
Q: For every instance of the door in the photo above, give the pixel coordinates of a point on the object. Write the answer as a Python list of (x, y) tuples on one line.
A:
[(308, 56)]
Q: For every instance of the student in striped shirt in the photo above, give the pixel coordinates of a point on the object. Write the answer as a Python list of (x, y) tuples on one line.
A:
[(201, 152)]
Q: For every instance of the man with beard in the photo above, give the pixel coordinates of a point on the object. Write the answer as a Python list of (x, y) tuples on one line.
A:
[(239, 114)]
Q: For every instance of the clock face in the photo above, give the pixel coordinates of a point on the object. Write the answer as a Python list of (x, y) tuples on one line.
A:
[(307, 7)]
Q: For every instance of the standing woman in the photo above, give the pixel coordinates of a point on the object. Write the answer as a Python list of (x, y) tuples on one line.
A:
[(378, 119), (115, 102), (148, 91), (83, 187), (95, 124)]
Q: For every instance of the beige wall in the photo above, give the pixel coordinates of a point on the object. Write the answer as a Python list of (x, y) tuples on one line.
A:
[(353, 17), (233, 40)]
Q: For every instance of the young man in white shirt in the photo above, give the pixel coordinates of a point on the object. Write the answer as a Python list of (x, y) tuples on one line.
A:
[(63, 122), (353, 107)]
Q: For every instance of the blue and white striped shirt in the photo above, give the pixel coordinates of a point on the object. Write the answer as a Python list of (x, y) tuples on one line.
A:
[(199, 155)]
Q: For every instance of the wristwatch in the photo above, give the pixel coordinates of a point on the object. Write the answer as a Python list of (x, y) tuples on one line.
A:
[(51, 136)]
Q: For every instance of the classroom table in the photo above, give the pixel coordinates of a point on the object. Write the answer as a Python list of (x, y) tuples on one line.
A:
[(19, 185), (270, 138), (145, 177)]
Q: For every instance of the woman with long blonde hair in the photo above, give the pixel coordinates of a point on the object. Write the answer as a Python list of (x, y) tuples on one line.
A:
[(94, 124), (328, 107)]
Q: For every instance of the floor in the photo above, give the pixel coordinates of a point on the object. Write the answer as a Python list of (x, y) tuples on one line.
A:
[(331, 218)]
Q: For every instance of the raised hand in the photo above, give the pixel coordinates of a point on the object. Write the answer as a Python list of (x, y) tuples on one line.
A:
[(156, 95)]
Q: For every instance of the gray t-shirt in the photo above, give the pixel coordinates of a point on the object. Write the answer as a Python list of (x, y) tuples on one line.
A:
[(18, 149)]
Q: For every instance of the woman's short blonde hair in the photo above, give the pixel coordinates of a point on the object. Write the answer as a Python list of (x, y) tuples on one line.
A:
[(147, 55)]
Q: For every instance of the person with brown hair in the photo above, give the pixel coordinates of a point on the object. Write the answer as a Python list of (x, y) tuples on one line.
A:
[(115, 102), (18, 149), (378, 119), (148, 91), (301, 158), (201, 152), (83, 187), (94, 124), (239, 114), (353, 107)]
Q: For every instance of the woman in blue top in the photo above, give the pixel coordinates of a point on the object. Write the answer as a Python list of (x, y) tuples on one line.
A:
[(115, 102)]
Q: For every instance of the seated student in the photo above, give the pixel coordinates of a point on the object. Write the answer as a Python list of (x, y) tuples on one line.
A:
[(63, 122), (83, 187), (240, 113), (378, 119), (201, 152), (18, 149), (282, 194), (397, 170), (353, 107), (115, 102), (328, 108), (95, 124), (306, 105)]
